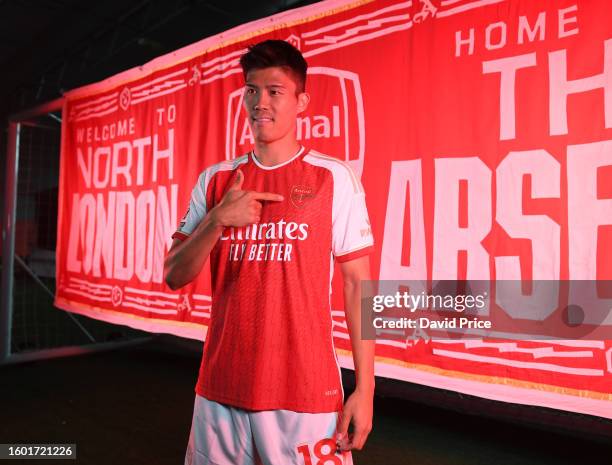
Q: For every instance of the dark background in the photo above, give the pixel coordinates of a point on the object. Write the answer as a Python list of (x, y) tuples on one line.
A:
[(48, 47)]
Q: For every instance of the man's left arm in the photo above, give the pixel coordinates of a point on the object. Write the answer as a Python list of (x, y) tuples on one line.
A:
[(358, 408)]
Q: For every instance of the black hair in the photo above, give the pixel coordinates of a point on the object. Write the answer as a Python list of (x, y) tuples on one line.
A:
[(279, 53)]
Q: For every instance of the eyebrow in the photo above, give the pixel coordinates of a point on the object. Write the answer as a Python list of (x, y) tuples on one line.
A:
[(248, 84)]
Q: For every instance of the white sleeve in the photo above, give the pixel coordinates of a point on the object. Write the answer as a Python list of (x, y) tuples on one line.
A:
[(351, 231), (196, 211)]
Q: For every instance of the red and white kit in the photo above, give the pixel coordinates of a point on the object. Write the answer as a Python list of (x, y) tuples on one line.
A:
[(269, 345)]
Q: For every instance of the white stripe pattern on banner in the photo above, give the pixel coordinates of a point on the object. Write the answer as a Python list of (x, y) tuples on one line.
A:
[(398, 344), (91, 290), (89, 283), (148, 302), (355, 40), (96, 108), (220, 76), (225, 57), (466, 7), (159, 79), (517, 363), (112, 96), (149, 309), (222, 66), (574, 343), (341, 335), (94, 115), (157, 88), (169, 91), (155, 293), (88, 295), (507, 347), (204, 314), (374, 24), (331, 27)]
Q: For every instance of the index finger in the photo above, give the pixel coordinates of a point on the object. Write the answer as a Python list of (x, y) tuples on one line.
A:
[(359, 438), (267, 196)]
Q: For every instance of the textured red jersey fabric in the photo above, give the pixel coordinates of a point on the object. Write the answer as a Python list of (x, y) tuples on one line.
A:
[(269, 344)]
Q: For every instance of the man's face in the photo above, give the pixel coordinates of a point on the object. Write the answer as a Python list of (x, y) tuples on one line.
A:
[(272, 104)]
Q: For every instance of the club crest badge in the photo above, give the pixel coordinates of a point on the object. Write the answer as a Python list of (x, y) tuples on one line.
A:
[(300, 194)]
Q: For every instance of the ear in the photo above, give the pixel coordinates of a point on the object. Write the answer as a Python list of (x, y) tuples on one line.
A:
[(303, 100)]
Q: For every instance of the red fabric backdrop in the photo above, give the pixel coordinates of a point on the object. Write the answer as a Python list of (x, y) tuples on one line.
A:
[(481, 130)]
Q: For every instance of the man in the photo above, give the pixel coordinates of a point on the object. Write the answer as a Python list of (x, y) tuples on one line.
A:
[(272, 221)]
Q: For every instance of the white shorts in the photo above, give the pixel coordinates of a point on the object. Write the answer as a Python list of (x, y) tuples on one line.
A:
[(224, 435)]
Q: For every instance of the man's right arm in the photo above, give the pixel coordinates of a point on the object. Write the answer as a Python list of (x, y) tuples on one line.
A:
[(186, 258), (237, 208)]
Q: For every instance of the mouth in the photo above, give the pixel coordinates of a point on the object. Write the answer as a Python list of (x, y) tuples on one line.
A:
[(262, 119)]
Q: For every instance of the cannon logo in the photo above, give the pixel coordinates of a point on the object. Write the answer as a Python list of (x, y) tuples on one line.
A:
[(125, 98), (333, 124), (295, 41)]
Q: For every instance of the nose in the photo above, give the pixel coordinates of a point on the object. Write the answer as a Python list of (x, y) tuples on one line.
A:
[(262, 100)]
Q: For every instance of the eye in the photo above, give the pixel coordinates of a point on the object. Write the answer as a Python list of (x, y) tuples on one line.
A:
[(250, 91)]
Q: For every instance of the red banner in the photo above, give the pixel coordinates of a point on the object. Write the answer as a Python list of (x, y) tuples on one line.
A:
[(482, 132)]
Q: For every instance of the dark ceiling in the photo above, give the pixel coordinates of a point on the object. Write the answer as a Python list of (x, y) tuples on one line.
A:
[(48, 46)]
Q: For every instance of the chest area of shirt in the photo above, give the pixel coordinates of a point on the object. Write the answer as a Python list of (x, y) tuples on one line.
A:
[(299, 224), (308, 193)]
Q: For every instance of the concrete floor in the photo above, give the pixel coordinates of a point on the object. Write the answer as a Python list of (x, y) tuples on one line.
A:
[(133, 406)]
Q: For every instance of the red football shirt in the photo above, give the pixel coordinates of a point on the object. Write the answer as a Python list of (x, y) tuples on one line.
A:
[(269, 344)]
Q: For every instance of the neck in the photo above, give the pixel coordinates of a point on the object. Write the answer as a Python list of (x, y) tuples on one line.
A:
[(274, 153)]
